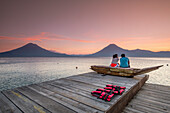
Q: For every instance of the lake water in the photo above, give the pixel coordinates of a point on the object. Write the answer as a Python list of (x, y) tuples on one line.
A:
[(16, 72)]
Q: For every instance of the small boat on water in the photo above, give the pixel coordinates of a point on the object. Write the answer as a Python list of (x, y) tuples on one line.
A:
[(118, 71)]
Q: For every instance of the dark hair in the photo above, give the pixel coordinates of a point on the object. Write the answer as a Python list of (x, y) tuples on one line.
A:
[(122, 55), (115, 56)]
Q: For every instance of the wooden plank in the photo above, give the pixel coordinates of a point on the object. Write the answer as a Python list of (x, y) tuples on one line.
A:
[(165, 92), (76, 97), (150, 105), (89, 82), (155, 95), (146, 109), (95, 75), (151, 101), (152, 98), (107, 78), (157, 87), (86, 93), (77, 106), (76, 85), (80, 92), (106, 81), (44, 101), (24, 103), (94, 82), (121, 103), (145, 105), (6, 106), (131, 110)]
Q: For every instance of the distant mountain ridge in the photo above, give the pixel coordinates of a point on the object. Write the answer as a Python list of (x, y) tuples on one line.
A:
[(109, 51), (114, 49), (31, 50)]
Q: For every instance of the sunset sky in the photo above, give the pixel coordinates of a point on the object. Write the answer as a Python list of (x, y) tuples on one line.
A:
[(85, 26)]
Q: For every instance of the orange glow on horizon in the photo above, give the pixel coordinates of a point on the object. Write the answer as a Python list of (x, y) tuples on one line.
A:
[(68, 45)]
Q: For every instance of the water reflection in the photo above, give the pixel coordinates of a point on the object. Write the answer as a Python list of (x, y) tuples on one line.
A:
[(15, 72)]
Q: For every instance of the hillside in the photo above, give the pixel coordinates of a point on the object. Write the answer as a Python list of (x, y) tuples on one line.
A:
[(114, 49), (31, 50)]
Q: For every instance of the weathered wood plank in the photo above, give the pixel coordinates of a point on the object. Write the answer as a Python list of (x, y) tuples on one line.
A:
[(6, 106), (145, 105), (95, 82), (84, 88), (153, 98), (86, 93), (150, 100), (145, 109), (121, 103), (106, 78), (79, 92), (106, 81), (24, 103), (44, 101), (164, 92), (76, 84), (155, 95), (76, 97), (89, 82), (151, 105), (87, 88), (131, 110), (77, 106), (157, 87)]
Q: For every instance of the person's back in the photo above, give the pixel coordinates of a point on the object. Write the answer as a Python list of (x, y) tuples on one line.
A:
[(115, 60), (124, 61)]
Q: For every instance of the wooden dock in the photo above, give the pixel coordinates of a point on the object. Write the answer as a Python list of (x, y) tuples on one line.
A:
[(70, 95), (152, 98)]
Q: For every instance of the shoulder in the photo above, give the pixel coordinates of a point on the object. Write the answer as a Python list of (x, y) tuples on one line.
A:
[(117, 58)]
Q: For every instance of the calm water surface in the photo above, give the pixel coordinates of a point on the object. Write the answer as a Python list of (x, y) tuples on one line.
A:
[(15, 72)]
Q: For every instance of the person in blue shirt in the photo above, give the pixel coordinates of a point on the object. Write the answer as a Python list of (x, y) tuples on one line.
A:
[(124, 61)]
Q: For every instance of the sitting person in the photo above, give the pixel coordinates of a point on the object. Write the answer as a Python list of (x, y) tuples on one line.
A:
[(124, 61), (115, 60)]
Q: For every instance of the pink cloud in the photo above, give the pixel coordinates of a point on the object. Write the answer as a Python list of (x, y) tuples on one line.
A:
[(61, 37), (33, 39), (10, 38), (45, 36)]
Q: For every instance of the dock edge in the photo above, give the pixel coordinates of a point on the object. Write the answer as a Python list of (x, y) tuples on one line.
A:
[(119, 106)]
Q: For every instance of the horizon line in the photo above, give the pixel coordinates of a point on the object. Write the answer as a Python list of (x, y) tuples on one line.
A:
[(54, 51)]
